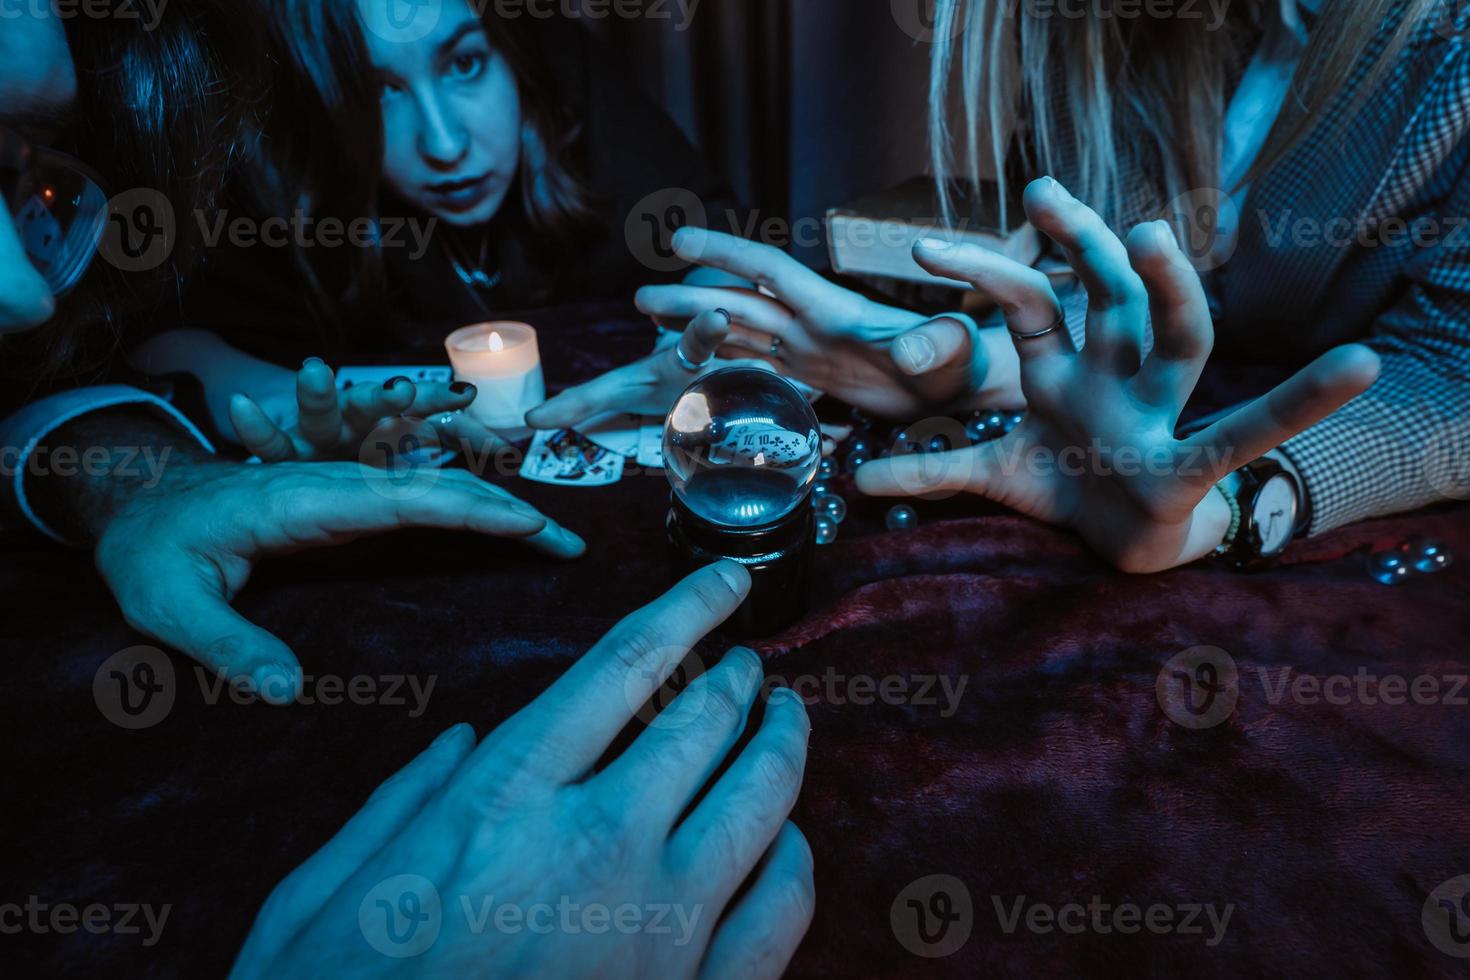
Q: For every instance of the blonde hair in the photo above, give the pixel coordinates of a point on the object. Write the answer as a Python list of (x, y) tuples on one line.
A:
[(1061, 89)]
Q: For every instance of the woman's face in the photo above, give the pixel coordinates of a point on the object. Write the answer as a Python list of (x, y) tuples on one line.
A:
[(37, 87), (451, 117)]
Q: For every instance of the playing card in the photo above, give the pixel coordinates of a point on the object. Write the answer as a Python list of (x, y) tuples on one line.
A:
[(568, 459), (348, 377), (651, 444), (765, 443), (614, 431)]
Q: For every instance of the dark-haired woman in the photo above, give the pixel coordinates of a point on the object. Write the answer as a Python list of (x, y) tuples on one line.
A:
[(497, 160)]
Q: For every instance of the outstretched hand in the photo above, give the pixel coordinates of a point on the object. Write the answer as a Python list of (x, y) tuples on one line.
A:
[(648, 386), (332, 425), (679, 845), (1097, 451), (176, 555), (884, 360)]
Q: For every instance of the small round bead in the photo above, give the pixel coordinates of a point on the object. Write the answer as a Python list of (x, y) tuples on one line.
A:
[(977, 430), (1013, 420), (901, 517), (1389, 567), (854, 460), (995, 422), (1428, 556), (859, 444), (819, 488), (828, 469), (826, 529), (939, 444), (833, 506)]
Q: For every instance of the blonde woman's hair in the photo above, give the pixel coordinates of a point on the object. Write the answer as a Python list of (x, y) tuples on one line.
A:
[(1085, 90)]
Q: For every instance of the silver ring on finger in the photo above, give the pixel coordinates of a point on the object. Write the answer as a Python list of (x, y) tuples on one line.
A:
[(1057, 324), (687, 364)]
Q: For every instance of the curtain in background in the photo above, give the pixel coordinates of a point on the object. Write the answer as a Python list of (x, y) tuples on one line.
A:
[(804, 104)]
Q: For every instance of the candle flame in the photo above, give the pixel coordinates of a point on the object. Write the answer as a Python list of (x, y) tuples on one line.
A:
[(496, 343)]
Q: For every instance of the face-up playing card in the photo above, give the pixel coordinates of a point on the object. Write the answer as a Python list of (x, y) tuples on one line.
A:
[(566, 458), (651, 444), (763, 443), (614, 431)]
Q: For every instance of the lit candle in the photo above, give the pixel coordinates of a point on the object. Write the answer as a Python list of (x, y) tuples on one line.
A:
[(503, 361)]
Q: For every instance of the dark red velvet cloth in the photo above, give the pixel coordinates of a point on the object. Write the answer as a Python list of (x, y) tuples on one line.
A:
[(1056, 775)]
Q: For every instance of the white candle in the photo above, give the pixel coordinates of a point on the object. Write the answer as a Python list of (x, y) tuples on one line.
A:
[(503, 361)]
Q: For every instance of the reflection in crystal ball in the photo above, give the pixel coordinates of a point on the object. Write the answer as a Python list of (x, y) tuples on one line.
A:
[(742, 447)]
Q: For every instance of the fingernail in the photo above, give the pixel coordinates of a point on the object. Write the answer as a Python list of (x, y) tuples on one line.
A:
[(312, 362), (392, 383), (918, 351), (274, 683), (1166, 233), (935, 244), (449, 734), (726, 570), (726, 314), (1056, 187), (462, 388)]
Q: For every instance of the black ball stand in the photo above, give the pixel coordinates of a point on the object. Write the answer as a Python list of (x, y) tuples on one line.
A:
[(777, 555)]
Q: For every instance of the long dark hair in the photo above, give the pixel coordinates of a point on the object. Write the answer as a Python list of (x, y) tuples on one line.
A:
[(326, 150), (171, 109)]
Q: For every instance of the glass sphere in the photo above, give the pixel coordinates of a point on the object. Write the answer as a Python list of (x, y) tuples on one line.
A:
[(1428, 556), (1389, 567), (742, 447), (901, 517), (831, 505), (826, 529)]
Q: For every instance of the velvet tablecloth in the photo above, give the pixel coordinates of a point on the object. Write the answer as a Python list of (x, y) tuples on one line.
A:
[(1023, 749)]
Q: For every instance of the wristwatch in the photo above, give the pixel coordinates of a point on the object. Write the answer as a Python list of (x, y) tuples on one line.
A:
[(1266, 508)]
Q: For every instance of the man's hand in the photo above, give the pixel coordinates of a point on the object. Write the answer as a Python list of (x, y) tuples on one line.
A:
[(1097, 450), (526, 823), (883, 360), (325, 424), (176, 555)]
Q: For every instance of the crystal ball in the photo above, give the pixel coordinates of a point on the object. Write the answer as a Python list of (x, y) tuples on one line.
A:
[(742, 447)]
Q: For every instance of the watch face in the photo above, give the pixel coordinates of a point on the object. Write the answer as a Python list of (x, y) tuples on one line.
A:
[(1274, 513)]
